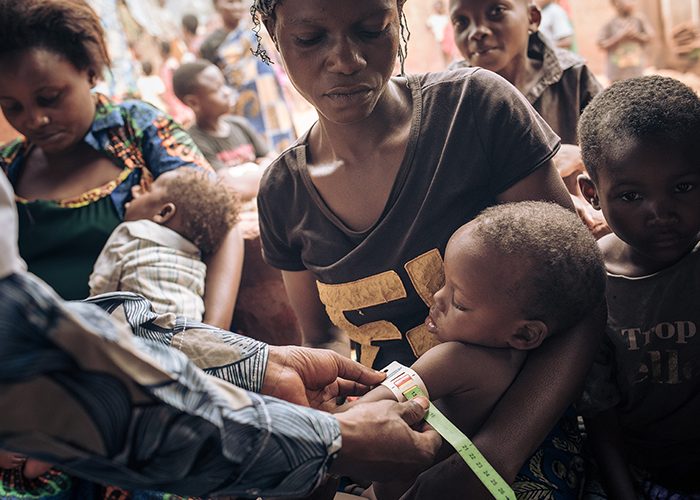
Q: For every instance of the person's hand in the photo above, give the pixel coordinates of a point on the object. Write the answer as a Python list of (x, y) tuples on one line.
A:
[(315, 377), (386, 440), (11, 460)]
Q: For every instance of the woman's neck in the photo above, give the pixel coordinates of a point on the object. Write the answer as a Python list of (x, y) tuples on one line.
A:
[(351, 143)]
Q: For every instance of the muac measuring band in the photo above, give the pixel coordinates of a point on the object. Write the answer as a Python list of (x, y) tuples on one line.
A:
[(403, 381)]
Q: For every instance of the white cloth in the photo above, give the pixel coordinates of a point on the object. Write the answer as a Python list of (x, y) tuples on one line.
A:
[(10, 261), (154, 261)]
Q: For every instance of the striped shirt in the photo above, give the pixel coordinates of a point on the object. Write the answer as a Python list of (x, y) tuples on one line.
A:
[(154, 261)]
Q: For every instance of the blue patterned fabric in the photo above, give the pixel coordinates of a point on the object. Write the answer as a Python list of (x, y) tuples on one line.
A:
[(116, 406), (136, 136)]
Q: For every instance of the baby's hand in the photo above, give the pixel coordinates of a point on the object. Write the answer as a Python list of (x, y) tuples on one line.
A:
[(10, 460)]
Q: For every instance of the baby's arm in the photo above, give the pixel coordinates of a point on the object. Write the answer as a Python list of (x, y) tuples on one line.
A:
[(466, 381), (606, 442)]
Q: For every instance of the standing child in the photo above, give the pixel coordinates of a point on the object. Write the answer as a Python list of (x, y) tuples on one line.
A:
[(515, 275), (157, 252), (229, 143), (151, 87), (639, 141), (624, 38), (555, 81), (506, 41), (556, 23), (437, 24)]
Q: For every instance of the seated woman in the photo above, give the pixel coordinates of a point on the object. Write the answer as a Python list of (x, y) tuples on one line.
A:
[(358, 213), (81, 153), (80, 156)]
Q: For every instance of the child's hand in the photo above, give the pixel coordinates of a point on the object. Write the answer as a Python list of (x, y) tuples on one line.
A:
[(10, 460)]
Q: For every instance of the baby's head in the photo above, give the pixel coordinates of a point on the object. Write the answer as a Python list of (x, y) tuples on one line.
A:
[(640, 145), (202, 87), (515, 274), (191, 203), (494, 35)]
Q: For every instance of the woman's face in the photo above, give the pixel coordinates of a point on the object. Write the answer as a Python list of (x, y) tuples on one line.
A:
[(46, 98), (338, 54)]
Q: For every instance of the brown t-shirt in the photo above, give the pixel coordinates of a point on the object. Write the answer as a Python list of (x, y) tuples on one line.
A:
[(473, 135), (241, 145)]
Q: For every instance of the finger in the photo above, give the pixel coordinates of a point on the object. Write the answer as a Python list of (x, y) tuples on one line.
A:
[(414, 410), (429, 441), (352, 370), (351, 388)]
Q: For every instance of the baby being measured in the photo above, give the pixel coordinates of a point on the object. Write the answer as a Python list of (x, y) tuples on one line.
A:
[(514, 275)]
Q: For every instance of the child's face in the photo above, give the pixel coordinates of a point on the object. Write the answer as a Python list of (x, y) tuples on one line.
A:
[(46, 98), (147, 202), (650, 197), (214, 97), (472, 307), (493, 34)]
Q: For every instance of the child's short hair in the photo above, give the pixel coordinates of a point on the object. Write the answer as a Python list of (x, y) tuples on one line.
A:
[(209, 208), (185, 77), (567, 275), (648, 108)]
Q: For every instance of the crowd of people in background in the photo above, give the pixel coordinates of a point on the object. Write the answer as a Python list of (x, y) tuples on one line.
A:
[(522, 233)]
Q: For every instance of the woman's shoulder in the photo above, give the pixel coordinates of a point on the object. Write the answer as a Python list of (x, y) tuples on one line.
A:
[(10, 150), (11, 156), (284, 172), (133, 112), (457, 76)]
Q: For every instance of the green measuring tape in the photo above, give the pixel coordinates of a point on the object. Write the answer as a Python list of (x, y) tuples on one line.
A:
[(466, 449)]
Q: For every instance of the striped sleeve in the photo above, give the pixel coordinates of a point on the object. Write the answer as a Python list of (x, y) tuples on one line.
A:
[(142, 415)]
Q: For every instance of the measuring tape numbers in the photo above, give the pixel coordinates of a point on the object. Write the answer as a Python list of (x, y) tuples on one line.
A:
[(405, 384)]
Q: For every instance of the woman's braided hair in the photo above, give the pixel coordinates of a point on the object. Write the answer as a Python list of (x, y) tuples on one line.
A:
[(262, 9)]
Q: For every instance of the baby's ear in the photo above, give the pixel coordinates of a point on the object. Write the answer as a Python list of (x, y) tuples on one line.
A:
[(165, 213), (529, 335), (588, 190)]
